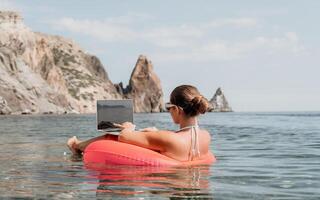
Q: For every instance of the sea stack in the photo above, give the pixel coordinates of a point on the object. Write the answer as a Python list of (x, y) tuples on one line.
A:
[(144, 87), (219, 102)]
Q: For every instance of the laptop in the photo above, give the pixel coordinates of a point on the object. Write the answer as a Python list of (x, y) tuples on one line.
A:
[(113, 111)]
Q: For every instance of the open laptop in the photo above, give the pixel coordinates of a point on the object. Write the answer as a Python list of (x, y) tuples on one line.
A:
[(113, 111)]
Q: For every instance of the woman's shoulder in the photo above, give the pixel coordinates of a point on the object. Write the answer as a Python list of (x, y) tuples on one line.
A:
[(161, 134), (167, 134), (206, 133)]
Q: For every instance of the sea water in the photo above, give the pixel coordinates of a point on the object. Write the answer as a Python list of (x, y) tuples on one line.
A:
[(259, 156)]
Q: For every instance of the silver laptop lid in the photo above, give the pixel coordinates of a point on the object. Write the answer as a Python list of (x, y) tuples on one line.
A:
[(113, 111)]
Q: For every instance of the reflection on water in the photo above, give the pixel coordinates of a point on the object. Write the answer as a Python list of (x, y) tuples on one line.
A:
[(149, 181)]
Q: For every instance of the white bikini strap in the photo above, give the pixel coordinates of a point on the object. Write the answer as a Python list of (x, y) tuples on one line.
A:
[(197, 146), (194, 147), (191, 152), (187, 127)]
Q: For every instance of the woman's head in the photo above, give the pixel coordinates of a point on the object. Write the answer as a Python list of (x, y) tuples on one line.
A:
[(189, 99)]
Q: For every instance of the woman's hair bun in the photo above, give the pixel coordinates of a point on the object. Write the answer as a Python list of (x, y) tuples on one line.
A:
[(200, 104), (189, 98)]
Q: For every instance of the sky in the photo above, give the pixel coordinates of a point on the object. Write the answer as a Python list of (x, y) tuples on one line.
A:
[(265, 55)]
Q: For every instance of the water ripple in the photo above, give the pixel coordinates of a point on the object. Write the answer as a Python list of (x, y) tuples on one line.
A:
[(260, 156)]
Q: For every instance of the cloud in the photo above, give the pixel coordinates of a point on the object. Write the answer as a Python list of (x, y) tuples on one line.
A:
[(132, 28), (108, 30), (122, 30), (184, 41), (170, 37), (223, 50), (232, 22)]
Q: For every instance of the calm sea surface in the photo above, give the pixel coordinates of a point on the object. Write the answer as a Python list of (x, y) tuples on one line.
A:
[(260, 156)]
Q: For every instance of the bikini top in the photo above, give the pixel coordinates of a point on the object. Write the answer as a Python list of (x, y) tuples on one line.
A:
[(194, 151)]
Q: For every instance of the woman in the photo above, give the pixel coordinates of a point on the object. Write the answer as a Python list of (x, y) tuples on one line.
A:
[(188, 143)]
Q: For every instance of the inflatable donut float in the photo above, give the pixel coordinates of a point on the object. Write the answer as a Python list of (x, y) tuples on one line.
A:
[(110, 152)]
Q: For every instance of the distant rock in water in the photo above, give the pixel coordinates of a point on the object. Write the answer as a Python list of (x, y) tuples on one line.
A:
[(144, 88), (219, 102), (48, 74)]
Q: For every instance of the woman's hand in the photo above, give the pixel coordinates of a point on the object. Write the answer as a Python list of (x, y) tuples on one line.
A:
[(126, 126), (149, 129)]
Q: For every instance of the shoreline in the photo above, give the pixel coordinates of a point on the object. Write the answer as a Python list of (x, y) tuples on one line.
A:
[(138, 113)]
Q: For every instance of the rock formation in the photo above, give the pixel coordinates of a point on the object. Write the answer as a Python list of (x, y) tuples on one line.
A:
[(4, 109), (41, 73), (219, 102), (144, 88)]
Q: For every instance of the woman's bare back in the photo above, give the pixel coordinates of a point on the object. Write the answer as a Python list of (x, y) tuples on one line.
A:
[(179, 144)]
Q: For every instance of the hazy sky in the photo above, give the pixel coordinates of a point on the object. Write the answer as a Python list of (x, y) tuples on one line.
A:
[(264, 54)]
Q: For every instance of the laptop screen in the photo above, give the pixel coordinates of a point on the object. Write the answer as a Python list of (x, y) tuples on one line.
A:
[(113, 111)]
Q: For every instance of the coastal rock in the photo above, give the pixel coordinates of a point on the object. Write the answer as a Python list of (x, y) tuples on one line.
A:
[(144, 87), (4, 109), (48, 74), (219, 102), (26, 112)]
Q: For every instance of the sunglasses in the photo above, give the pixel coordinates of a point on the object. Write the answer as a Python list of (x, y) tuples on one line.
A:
[(169, 105)]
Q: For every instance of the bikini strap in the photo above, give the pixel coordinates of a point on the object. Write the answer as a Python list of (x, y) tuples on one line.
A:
[(194, 151), (187, 127)]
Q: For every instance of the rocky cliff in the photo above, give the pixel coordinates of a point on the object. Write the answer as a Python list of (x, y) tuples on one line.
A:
[(219, 102), (41, 73), (144, 88)]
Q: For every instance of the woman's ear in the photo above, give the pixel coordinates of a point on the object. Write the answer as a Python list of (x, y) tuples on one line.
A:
[(180, 111), (174, 114)]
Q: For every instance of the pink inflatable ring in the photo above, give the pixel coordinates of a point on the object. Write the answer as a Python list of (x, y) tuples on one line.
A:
[(117, 153)]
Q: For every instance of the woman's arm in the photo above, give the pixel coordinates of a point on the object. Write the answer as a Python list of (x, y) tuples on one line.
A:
[(155, 140)]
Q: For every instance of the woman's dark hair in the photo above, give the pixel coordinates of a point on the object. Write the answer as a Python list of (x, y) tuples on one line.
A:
[(189, 99)]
